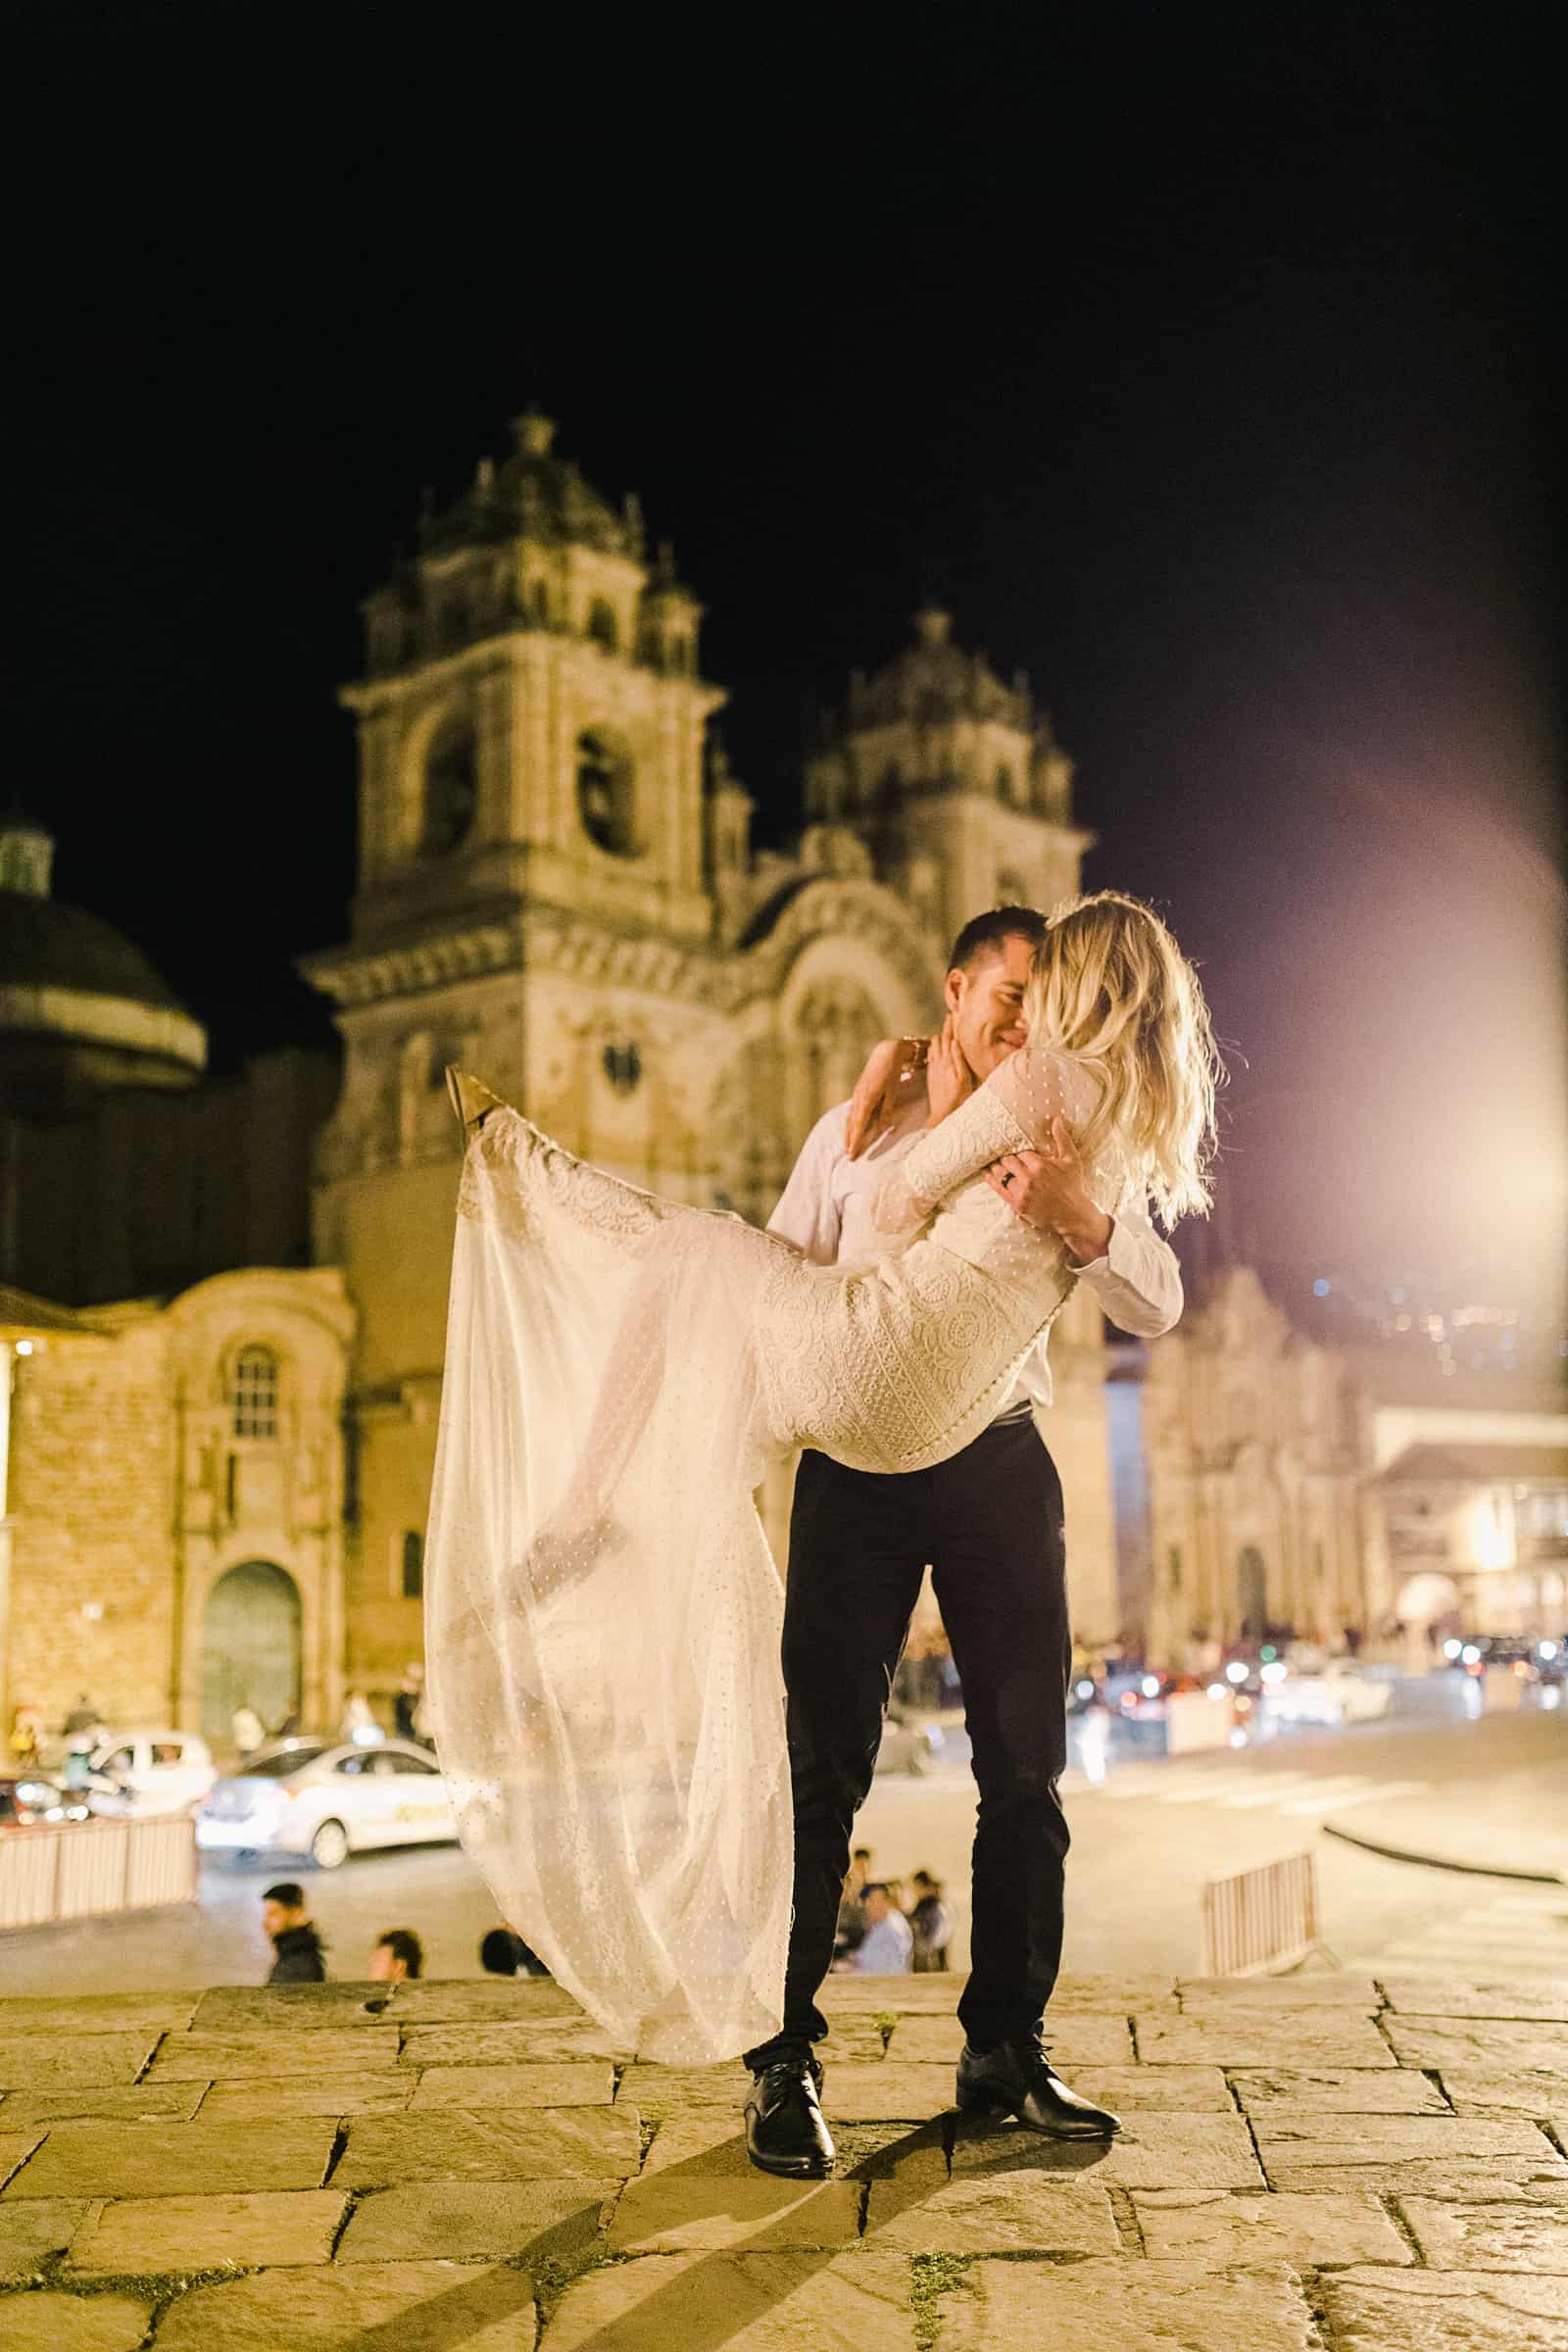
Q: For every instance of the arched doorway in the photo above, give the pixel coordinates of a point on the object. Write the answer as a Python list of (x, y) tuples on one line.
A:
[(250, 1646), (1251, 1590)]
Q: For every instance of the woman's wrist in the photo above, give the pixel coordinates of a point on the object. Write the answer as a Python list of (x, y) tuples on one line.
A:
[(1087, 1235)]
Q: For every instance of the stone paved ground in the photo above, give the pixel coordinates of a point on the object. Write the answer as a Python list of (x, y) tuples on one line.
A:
[(1318, 2164)]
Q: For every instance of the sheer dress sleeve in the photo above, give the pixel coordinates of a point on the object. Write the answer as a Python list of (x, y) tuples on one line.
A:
[(1012, 1112)]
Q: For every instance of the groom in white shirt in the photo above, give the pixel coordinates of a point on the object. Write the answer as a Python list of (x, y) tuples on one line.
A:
[(989, 1522)]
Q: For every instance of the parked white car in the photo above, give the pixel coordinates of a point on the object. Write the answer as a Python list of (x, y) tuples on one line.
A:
[(134, 1775), (1342, 1692), (329, 1801)]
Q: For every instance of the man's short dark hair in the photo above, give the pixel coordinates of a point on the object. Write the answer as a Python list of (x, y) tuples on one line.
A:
[(404, 1945), (876, 1886), (501, 1952), (291, 1897), (988, 934)]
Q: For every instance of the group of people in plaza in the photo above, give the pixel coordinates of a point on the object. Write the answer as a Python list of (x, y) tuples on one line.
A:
[(299, 1953), (84, 1725), (411, 1717), (82, 1730), (396, 1957), (605, 1623), (887, 1929)]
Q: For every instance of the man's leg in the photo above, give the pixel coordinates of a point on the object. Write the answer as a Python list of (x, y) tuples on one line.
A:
[(1001, 1577), (857, 1550), (851, 1590)]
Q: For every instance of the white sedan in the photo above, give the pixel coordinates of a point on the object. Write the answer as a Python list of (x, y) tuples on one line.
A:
[(135, 1776), (1341, 1694), (328, 1801)]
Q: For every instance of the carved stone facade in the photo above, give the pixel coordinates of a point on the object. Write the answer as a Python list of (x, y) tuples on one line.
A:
[(954, 781), (1256, 1466), (557, 889)]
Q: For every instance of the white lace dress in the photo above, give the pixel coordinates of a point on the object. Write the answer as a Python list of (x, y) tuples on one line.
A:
[(602, 1610)]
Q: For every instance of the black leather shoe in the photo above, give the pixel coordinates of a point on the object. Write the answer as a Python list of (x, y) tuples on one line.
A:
[(1017, 2079), (784, 2128)]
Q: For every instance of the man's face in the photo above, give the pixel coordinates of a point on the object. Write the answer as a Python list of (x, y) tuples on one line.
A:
[(986, 1002), (387, 1967), (275, 1917), (877, 1906)]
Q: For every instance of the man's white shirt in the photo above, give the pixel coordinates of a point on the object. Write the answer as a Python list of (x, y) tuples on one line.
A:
[(825, 1210)]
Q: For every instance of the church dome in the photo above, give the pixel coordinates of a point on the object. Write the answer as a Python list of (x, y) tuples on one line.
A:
[(933, 681), (533, 494), (80, 1006), (46, 944)]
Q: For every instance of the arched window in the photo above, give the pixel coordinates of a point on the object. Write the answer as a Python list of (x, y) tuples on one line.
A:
[(451, 786), (253, 1393), (1251, 1590), (607, 792), (602, 625), (623, 1067), (412, 1565)]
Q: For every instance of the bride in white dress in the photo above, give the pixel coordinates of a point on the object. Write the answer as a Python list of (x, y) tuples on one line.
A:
[(603, 1609)]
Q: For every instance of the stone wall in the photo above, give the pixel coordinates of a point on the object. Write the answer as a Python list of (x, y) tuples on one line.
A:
[(132, 1496), (92, 1487)]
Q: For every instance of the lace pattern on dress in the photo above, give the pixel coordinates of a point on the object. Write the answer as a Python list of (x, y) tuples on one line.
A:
[(978, 1132), (511, 1170)]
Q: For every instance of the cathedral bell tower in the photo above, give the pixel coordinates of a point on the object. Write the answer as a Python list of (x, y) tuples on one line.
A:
[(531, 751), (531, 720), (954, 783), (544, 854)]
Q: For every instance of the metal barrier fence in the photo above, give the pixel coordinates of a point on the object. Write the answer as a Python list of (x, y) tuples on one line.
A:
[(1260, 1919), (88, 1868)]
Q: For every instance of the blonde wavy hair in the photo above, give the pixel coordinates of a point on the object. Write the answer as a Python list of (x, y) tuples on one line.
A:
[(1109, 988)]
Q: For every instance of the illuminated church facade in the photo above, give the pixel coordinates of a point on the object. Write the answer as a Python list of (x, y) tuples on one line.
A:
[(222, 1304), (557, 887)]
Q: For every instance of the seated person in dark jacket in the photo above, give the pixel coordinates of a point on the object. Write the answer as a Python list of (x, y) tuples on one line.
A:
[(930, 1925), (301, 1955)]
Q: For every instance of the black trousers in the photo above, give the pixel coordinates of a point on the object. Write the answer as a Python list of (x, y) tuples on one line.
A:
[(990, 1524)]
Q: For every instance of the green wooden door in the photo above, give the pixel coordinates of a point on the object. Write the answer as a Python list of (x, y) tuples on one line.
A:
[(250, 1648)]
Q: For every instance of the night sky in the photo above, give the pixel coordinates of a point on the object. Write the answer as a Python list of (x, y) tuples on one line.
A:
[(1197, 359)]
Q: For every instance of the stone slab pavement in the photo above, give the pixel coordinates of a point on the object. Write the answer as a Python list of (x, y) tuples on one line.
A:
[(1319, 2164)]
